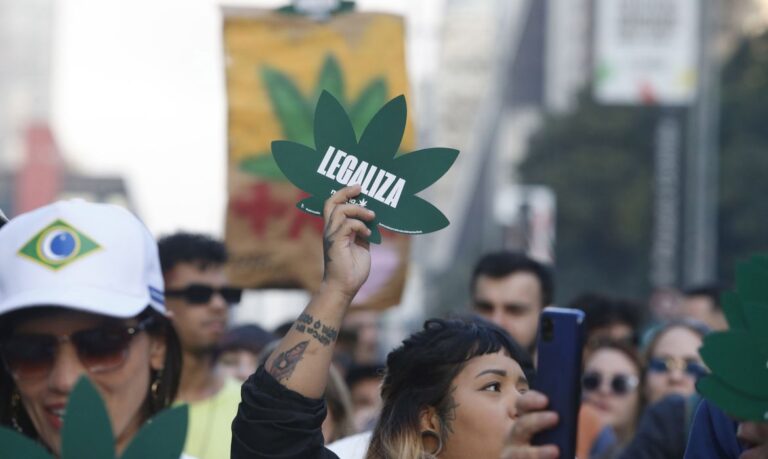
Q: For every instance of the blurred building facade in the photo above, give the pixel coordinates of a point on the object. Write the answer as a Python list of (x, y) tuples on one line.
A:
[(33, 171), (26, 30), (42, 176), (502, 67)]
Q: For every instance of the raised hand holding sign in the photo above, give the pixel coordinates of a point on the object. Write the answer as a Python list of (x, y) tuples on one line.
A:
[(388, 181)]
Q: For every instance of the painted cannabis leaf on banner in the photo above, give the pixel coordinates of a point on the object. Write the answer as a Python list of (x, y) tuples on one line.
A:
[(295, 111), (87, 432), (389, 181)]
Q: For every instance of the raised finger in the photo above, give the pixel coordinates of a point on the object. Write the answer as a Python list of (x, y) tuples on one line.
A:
[(340, 197), (354, 226), (528, 425), (343, 212), (531, 401)]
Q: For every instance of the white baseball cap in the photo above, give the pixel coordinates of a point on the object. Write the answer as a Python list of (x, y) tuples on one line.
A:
[(96, 258)]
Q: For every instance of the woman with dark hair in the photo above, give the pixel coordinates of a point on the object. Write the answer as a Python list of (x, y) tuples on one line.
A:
[(449, 390), (81, 294)]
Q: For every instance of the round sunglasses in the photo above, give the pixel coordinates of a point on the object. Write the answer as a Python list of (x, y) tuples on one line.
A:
[(620, 384), (199, 294), (31, 356)]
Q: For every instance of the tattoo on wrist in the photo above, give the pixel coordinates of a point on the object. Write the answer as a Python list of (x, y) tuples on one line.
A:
[(284, 364), (316, 329)]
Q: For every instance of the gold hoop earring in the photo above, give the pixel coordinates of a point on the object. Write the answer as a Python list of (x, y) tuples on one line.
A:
[(15, 403), (155, 387), (432, 433)]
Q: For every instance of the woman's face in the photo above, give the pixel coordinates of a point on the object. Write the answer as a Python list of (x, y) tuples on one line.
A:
[(614, 387), (123, 388), (679, 347), (483, 413)]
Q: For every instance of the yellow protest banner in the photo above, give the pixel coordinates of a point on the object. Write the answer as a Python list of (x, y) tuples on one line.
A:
[(277, 65)]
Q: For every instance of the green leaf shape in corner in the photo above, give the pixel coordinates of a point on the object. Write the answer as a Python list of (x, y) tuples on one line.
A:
[(738, 357), (389, 182), (16, 445), (87, 431), (757, 314), (735, 359), (734, 313), (751, 276), (731, 400), (162, 437)]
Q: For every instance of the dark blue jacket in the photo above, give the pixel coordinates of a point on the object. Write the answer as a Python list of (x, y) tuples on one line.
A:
[(713, 435)]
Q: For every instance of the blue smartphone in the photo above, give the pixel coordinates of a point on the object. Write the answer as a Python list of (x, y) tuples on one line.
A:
[(558, 374)]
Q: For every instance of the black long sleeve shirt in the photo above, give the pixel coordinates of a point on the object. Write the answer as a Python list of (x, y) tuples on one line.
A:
[(274, 422)]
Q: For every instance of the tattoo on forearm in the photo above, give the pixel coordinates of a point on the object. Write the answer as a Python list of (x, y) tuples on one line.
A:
[(316, 329), (284, 364)]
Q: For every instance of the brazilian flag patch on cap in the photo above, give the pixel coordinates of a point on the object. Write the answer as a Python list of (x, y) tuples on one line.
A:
[(57, 245)]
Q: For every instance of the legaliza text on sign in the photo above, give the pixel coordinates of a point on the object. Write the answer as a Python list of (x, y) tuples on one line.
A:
[(376, 183)]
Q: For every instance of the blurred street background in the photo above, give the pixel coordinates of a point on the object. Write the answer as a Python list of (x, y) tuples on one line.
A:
[(622, 141)]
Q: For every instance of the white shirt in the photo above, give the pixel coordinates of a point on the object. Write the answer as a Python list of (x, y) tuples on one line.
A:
[(352, 447)]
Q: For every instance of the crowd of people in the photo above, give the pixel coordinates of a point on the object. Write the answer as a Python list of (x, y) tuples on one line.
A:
[(86, 290)]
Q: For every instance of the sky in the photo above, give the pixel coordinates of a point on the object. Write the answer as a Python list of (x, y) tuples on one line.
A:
[(138, 90)]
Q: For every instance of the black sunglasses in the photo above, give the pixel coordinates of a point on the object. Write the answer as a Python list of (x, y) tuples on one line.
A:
[(30, 356), (202, 294), (621, 384)]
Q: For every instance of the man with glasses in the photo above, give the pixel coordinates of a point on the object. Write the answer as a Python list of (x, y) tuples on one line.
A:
[(199, 297)]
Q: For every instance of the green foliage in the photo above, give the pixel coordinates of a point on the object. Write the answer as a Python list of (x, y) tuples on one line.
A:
[(599, 161), (295, 111)]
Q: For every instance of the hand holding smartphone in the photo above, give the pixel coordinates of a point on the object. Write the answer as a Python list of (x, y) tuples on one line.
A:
[(558, 376)]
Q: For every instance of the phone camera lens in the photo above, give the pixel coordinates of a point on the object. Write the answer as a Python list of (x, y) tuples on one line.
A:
[(547, 329)]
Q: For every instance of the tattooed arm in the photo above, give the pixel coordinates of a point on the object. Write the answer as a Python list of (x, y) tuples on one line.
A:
[(301, 360)]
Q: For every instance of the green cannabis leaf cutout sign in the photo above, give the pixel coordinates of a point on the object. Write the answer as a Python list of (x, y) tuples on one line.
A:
[(87, 432), (738, 358), (389, 181)]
